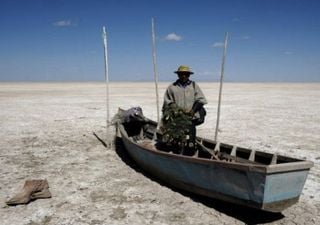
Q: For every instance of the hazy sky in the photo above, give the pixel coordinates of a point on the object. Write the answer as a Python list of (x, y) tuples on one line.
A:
[(270, 40)]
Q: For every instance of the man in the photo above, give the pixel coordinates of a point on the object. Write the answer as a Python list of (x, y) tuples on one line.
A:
[(187, 95)]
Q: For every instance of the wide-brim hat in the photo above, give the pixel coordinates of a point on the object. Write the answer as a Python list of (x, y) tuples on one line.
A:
[(183, 69)]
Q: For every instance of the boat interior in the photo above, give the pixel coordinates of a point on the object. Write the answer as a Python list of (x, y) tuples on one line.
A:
[(145, 133)]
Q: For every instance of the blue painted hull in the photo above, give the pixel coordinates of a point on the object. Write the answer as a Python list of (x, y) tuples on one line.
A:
[(267, 187)]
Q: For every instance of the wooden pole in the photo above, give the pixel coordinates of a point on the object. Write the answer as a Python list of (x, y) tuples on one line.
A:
[(221, 83), (155, 68), (105, 45)]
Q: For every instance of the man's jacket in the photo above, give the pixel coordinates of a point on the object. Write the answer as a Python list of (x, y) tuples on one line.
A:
[(184, 96)]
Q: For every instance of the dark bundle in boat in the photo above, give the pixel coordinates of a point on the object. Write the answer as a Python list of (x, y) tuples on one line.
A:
[(244, 176), (175, 127)]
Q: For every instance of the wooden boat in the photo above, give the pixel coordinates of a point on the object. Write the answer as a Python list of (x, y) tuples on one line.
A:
[(257, 179)]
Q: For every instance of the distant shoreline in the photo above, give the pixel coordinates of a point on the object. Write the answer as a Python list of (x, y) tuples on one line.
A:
[(199, 81)]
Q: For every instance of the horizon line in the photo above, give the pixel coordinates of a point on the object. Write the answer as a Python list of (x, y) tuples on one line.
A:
[(143, 81)]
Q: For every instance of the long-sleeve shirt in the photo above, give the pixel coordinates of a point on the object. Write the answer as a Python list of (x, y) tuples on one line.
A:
[(184, 95)]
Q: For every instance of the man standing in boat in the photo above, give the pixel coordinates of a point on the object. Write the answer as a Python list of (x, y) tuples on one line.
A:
[(186, 95)]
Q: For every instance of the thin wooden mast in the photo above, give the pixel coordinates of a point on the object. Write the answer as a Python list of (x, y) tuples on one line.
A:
[(155, 68), (221, 84), (105, 45)]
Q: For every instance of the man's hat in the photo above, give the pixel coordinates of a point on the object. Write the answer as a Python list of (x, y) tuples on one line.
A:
[(183, 69)]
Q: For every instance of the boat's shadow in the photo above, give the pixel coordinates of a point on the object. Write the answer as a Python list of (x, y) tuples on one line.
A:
[(245, 214)]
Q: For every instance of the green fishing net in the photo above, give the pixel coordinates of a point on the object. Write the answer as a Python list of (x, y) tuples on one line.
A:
[(176, 124)]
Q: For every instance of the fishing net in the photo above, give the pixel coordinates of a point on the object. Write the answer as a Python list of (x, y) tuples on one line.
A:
[(176, 125)]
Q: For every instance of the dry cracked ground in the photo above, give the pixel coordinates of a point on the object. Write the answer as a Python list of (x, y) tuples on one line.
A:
[(55, 131)]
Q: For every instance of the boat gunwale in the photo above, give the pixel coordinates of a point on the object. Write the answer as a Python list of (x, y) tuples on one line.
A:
[(265, 169)]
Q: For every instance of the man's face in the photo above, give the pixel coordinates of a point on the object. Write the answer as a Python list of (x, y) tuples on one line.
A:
[(183, 76)]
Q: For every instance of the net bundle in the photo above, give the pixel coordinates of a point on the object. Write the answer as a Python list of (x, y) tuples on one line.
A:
[(176, 124)]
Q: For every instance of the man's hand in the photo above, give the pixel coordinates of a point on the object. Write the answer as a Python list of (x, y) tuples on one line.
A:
[(191, 113)]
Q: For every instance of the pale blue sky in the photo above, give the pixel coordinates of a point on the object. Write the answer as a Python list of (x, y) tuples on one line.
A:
[(60, 40)]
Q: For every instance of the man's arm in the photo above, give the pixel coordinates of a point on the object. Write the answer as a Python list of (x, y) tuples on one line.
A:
[(199, 96), (168, 99)]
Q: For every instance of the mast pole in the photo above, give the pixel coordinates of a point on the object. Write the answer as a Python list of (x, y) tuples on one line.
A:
[(105, 45), (221, 84), (155, 68)]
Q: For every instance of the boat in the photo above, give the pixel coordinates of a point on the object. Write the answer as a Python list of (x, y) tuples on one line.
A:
[(257, 179)]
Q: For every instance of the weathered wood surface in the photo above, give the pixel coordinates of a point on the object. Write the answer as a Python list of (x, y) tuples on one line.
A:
[(227, 176)]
